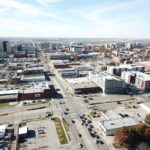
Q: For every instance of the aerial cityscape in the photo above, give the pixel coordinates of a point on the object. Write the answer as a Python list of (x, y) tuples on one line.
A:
[(74, 75)]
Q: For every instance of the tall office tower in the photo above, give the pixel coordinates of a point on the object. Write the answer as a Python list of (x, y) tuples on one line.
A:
[(5, 46)]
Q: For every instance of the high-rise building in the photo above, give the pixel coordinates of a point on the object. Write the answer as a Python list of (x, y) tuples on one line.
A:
[(5, 46)]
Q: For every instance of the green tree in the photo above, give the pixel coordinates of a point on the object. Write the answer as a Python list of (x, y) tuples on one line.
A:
[(147, 119)]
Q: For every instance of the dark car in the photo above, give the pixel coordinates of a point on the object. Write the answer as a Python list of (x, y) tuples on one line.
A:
[(118, 102), (72, 121), (66, 113), (101, 142), (67, 109)]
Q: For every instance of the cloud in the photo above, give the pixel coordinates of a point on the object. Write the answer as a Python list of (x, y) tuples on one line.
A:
[(45, 2), (24, 29), (27, 10), (97, 13)]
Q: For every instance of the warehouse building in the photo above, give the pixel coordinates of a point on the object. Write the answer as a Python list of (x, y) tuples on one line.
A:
[(35, 91), (33, 78), (39, 90), (82, 85), (8, 95), (108, 127), (108, 83)]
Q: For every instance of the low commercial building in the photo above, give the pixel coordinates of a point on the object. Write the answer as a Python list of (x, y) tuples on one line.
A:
[(108, 127), (2, 131), (70, 74), (39, 90), (82, 86), (33, 70), (108, 83), (33, 78), (60, 56), (23, 132), (8, 95)]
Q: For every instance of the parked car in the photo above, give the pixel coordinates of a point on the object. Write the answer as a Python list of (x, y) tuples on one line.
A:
[(80, 145), (67, 109), (80, 135), (72, 121)]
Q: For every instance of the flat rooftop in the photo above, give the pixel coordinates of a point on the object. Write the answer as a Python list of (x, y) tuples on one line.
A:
[(106, 76), (144, 76), (81, 83), (112, 115), (119, 123), (8, 92)]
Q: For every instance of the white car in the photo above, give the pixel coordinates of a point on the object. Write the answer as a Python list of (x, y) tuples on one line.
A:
[(80, 145)]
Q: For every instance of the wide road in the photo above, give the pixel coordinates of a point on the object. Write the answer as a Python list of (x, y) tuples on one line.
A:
[(77, 108)]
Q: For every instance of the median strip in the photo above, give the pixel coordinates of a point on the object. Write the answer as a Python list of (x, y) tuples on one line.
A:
[(60, 131)]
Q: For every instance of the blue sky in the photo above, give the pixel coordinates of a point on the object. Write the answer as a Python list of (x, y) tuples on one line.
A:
[(75, 18)]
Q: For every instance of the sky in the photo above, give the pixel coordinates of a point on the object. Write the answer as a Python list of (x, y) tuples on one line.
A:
[(75, 18)]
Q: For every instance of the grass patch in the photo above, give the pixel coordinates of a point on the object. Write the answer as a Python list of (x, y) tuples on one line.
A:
[(117, 145), (60, 131), (2, 105), (66, 125), (40, 102), (23, 123)]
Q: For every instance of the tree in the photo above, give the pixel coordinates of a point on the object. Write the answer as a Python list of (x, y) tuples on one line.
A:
[(147, 119), (126, 136), (140, 128), (122, 136), (147, 134)]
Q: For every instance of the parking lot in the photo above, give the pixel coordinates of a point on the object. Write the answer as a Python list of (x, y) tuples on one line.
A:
[(42, 135)]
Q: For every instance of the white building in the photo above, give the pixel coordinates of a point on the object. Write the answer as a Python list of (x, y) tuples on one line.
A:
[(109, 127), (7, 95), (128, 76), (110, 84), (23, 131), (116, 70), (2, 131), (76, 47), (33, 78)]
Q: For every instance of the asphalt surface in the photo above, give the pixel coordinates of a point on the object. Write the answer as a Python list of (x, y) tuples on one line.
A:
[(77, 108)]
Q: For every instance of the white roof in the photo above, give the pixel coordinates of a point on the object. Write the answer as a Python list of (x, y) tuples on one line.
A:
[(23, 130), (9, 92), (119, 123), (2, 130), (112, 115), (106, 75), (43, 85)]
